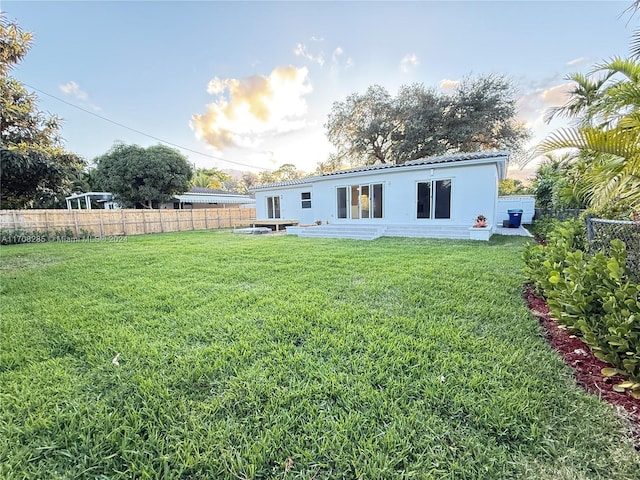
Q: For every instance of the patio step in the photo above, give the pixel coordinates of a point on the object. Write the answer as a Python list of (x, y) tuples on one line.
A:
[(427, 231), (371, 232), (355, 232)]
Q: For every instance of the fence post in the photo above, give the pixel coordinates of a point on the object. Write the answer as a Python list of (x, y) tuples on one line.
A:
[(161, 225), (75, 223), (101, 224), (193, 225), (124, 223), (590, 232), (206, 220), (144, 222)]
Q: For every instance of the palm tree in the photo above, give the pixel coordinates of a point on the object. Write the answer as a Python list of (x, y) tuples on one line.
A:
[(609, 132), (209, 178)]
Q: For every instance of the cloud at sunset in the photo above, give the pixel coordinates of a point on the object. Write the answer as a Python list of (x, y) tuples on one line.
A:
[(246, 110), (446, 84), (533, 105)]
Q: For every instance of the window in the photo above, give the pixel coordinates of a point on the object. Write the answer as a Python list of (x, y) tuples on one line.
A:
[(273, 207), (360, 201), (306, 199), (424, 199), (443, 199), (377, 200), (434, 199), (342, 202)]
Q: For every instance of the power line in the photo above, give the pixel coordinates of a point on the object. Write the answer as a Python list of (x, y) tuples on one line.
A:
[(140, 132)]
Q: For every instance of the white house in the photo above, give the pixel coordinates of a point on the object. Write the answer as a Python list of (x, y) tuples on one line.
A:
[(104, 198), (428, 197)]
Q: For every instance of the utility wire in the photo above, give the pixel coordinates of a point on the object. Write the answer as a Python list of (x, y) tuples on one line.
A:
[(141, 133)]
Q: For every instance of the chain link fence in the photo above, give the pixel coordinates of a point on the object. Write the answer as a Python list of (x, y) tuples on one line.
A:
[(600, 232)]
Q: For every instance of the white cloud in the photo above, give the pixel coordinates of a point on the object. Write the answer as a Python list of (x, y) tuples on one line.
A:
[(446, 84), (247, 110), (72, 89), (576, 61), (338, 61), (408, 62), (301, 50)]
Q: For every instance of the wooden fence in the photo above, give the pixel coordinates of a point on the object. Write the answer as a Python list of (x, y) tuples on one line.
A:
[(106, 223)]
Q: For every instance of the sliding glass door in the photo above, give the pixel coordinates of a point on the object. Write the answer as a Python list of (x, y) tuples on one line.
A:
[(434, 199), (359, 201)]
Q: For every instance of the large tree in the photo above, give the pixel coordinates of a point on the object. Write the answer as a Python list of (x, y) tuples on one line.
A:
[(35, 169), (377, 128), (361, 127), (481, 116), (143, 177)]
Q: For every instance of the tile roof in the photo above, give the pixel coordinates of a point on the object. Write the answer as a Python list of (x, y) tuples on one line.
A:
[(449, 158)]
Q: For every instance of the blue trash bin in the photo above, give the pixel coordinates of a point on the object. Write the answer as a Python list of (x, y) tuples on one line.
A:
[(515, 217)]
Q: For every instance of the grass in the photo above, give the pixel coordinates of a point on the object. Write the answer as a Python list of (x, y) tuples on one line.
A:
[(279, 357)]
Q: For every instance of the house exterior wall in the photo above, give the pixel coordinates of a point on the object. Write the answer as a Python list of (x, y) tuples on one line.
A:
[(473, 191), (290, 203)]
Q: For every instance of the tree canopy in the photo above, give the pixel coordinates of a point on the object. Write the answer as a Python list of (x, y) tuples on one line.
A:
[(143, 177), (210, 178), (285, 172), (35, 169), (375, 127), (512, 186)]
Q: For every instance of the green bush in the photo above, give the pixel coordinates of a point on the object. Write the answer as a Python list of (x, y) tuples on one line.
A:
[(14, 237), (541, 260), (591, 295), (541, 227)]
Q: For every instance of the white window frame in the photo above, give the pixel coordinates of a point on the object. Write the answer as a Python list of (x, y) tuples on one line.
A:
[(272, 208), (306, 201), (432, 206), (371, 210)]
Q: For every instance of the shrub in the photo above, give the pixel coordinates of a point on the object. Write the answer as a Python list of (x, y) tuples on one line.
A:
[(540, 260), (14, 237), (591, 295), (541, 227)]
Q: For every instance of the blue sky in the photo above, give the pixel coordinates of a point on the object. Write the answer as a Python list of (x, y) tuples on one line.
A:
[(253, 82)]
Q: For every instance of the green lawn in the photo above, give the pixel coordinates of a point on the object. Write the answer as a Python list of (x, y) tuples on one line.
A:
[(280, 357)]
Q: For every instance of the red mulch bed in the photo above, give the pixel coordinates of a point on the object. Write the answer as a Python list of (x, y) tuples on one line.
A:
[(586, 367)]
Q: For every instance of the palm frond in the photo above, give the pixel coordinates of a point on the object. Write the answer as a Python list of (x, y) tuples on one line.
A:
[(631, 121), (618, 142), (623, 95), (634, 46), (628, 67), (584, 93)]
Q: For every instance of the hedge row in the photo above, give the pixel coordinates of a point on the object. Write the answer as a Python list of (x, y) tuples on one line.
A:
[(592, 296)]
